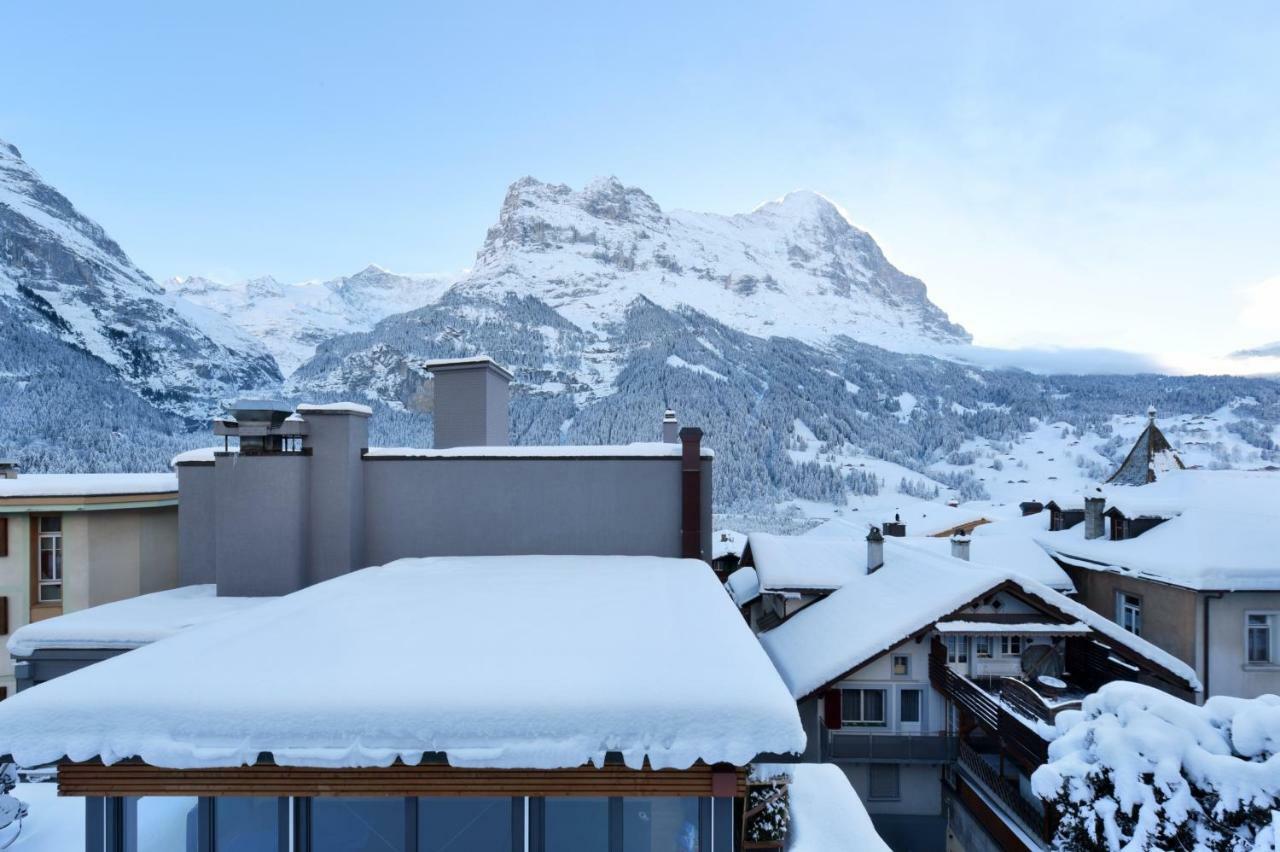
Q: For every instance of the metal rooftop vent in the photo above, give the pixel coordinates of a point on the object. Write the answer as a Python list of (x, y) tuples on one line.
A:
[(263, 427)]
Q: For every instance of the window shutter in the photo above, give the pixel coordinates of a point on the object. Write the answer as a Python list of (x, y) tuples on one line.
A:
[(832, 711), (4, 536)]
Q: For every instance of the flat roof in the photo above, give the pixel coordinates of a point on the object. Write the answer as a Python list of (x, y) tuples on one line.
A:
[(129, 623), (536, 662), (473, 361), (648, 450), (90, 488)]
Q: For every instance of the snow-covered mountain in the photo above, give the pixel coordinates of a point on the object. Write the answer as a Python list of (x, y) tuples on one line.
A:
[(795, 267), (63, 278), (292, 319)]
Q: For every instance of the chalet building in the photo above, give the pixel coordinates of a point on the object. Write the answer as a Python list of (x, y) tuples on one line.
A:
[(933, 681), (73, 541), (1191, 562), (470, 692)]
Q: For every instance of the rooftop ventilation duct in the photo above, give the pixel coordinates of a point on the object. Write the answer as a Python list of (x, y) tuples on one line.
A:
[(262, 426)]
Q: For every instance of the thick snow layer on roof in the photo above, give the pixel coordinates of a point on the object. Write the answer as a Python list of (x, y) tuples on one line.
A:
[(203, 455), (87, 484), (976, 625), (922, 517), (645, 450), (914, 589), (727, 543), (1014, 553), (743, 585), (806, 562), (524, 662), (53, 823), (335, 408), (129, 623), (826, 813), (1202, 548), (1141, 738)]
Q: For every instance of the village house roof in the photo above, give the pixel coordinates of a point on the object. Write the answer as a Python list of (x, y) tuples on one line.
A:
[(50, 491), (536, 662), (810, 563), (1151, 455), (913, 591), (129, 623), (1223, 532), (922, 518)]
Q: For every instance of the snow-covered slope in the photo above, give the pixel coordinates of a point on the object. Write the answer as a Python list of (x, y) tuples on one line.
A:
[(292, 319), (795, 267), (62, 276)]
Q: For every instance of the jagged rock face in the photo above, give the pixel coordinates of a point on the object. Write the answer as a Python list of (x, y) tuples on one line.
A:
[(61, 275), (791, 268), (291, 320)]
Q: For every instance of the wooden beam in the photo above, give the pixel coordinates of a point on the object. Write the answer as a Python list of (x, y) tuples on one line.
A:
[(137, 779)]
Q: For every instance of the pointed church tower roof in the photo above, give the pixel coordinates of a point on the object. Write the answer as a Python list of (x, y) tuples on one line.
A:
[(1151, 454)]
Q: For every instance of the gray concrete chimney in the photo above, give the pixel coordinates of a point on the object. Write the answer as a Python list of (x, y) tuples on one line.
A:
[(875, 550), (337, 436), (8, 469), (670, 428), (960, 546), (472, 396), (1094, 523)]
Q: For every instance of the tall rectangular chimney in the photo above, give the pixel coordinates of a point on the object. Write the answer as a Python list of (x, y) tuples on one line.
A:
[(472, 396), (1094, 523)]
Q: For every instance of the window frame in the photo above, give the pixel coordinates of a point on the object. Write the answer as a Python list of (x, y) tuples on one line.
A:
[(896, 771), (981, 642), (1269, 625), (1008, 640), (919, 719), (1129, 605), (57, 547), (957, 649), (850, 701), (906, 668)]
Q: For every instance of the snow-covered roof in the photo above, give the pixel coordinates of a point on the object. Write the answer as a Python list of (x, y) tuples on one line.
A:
[(1011, 628), (536, 662), (727, 543), (805, 562), (643, 450), (1016, 552), (87, 484), (128, 623), (203, 455), (743, 585), (826, 813), (1150, 458), (922, 517), (910, 593), (446, 363), (335, 408)]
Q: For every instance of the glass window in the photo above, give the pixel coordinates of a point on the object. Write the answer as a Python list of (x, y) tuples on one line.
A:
[(49, 548), (165, 824), (246, 824), (1258, 637), (1129, 612), (722, 822), (447, 824), (957, 649), (909, 705), (982, 646), (357, 825), (883, 781), (660, 825), (901, 665), (1010, 646), (576, 825), (862, 707)]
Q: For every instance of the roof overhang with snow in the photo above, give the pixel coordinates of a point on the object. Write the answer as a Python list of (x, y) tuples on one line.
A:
[(70, 492), (538, 662)]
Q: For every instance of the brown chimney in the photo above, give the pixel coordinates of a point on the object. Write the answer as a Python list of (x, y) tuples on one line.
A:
[(691, 493)]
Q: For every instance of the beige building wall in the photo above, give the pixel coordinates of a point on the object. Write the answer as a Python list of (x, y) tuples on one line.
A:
[(1229, 671), (1169, 613), (108, 555)]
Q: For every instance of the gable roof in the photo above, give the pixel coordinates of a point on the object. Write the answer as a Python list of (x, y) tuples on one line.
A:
[(834, 636), (536, 662), (790, 562), (1151, 454)]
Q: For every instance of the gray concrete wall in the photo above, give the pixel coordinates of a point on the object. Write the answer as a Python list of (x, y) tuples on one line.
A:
[(431, 507), (337, 514), (262, 521), (470, 408), (197, 525)]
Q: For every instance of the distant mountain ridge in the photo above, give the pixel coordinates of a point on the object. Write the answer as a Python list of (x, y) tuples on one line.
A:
[(290, 320), (63, 277)]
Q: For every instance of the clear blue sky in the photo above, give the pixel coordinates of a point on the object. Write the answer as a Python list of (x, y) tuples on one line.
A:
[(1085, 174)]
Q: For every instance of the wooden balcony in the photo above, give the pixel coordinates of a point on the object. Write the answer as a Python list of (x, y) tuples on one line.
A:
[(1016, 735)]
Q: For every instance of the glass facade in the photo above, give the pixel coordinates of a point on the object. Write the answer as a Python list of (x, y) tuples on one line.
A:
[(358, 825), (162, 824), (450, 824), (576, 825), (659, 825), (247, 824)]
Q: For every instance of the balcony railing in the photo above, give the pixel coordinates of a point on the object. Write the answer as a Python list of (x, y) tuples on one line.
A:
[(1031, 815), (892, 748), (1014, 733)]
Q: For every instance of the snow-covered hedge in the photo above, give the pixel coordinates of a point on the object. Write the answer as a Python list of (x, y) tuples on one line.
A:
[(1137, 769)]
